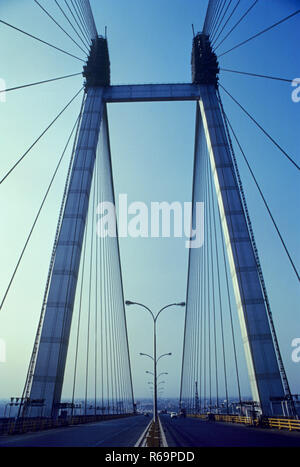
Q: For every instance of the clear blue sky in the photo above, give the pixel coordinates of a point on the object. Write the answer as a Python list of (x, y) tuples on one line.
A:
[(152, 155)]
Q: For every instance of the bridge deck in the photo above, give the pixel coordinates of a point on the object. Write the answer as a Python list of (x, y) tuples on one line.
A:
[(188, 432), (122, 432)]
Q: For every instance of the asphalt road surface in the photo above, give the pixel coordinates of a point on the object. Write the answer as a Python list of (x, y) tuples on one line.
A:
[(192, 432), (111, 433)]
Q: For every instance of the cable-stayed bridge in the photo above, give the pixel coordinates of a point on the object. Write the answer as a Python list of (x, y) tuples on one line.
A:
[(84, 295)]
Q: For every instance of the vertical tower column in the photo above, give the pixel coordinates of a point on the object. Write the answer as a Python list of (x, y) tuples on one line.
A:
[(49, 369), (263, 368), (262, 361), (46, 382)]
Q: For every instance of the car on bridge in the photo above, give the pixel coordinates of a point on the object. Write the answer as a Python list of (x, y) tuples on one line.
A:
[(173, 415)]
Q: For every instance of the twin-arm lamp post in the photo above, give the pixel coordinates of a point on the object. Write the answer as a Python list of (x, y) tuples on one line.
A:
[(154, 358)]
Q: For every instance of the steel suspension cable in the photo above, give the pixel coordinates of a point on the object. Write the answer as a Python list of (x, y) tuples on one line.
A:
[(209, 15), (213, 278), (201, 328), (91, 17), (83, 261), (206, 308), (260, 33), (38, 215), (191, 349), (60, 27), (87, 20), (77, 14), (90, 293), (214, 40), (230, 309), (82, 39), (116, 327), (236, 24), (214, 17), (109, 296), (112, 335), (221, 21), (102, 294), (119, 265), (39, 137), (217, 17), (83, 19), (78, 25), (41, 40), (195, 292), (257, 75), (264, 199), (209, 285), (231, 226), (186, 320), (106, 329), (193, 333), (39, 82), (203, 282), (197, 327), (219, 285), (262, 129), (96, 290)]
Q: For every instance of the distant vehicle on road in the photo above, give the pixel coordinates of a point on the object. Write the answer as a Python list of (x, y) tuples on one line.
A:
[(173, 415), (146, 414)]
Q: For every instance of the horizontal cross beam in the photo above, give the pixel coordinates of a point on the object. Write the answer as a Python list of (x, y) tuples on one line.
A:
[(152, 92)]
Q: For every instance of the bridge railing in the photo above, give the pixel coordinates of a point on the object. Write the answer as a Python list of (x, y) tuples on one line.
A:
[(265, 422), (225, 418), (24, 425), (236, 419), (286, 423)]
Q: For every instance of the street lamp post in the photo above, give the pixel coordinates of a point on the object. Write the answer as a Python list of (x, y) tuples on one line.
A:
[(154, 358), (160, 374)]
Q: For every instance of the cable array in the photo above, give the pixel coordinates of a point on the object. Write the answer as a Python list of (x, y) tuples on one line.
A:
[(210, 328), (99, 363), (39, 137)]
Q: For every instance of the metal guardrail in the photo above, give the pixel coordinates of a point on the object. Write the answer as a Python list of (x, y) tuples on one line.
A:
[(286, 423), (142, 441), (265, 422), (25, 425), (198, 415), (236, 419)]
